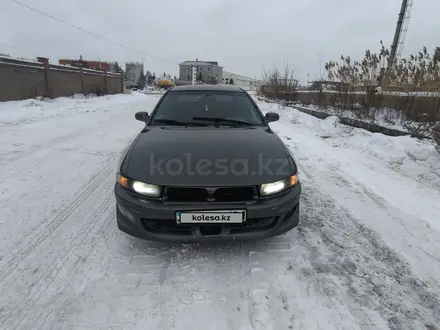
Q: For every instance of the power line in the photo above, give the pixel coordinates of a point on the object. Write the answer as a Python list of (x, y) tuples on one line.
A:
[(91, 33), (27, 51), (12, 46)]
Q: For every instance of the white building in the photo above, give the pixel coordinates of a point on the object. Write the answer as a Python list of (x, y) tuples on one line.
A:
[(208, 70), (239, 80)]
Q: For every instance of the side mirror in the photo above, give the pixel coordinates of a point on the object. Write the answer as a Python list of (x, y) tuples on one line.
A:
[(141, 116), (272, 116)]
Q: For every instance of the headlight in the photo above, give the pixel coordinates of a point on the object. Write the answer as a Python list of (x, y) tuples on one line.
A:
[(146, 189), (273, 188)]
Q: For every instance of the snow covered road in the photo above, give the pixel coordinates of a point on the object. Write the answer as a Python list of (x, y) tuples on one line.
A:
[(366, 255)]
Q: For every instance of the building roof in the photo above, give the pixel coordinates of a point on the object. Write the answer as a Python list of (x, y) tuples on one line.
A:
[(77, 60), (199, 63), (225, 88), (327, 82)]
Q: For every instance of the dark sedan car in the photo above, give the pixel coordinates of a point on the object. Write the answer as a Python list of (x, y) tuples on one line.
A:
[(207, 166)]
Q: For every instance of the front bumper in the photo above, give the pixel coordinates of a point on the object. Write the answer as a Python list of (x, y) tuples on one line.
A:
[(156, 220)]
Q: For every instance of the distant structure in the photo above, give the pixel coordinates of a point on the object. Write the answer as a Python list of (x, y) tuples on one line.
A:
[(210, 72), (400, 32), (239, 80), (133, 71), (93, 65), (326, 85), (206, 71)]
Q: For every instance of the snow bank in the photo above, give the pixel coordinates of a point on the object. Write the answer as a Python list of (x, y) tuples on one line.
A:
[(390, 185), (28, 111), (330, 125), (407, 155)]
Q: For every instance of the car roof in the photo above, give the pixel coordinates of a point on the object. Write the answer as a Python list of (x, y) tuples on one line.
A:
[(225, 88)]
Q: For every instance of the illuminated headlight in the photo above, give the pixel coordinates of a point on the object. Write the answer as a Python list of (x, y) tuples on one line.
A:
[(146, 189), (276, 187)]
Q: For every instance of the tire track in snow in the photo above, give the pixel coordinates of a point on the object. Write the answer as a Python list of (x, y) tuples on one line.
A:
[(373, 275), (287, 293), (43, 151), (35, 237), (97, 229), (379, 285), (54, 253), (198, 280), (165, 286), (405, 301), (409, 227), (81, 239), (268, 309), (368, 195)]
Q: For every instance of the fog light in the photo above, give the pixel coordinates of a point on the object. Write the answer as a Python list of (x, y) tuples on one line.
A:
[(126, 213)]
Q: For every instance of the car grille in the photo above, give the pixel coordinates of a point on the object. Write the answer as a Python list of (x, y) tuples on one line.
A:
[(171, 227), (216, 194), (186, 194), (234, 194)]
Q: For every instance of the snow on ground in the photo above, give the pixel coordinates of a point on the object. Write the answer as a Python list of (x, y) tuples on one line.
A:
[(364, 257), (387, 185)]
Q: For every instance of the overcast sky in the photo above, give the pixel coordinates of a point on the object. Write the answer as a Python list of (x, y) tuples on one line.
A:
[(243, 35)]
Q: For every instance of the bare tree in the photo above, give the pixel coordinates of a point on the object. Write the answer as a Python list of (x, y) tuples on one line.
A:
[(281, 84)]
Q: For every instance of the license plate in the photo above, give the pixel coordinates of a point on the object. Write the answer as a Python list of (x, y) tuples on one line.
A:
[(229, 216)]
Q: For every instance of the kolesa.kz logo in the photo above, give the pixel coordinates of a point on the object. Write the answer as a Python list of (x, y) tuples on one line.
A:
[(186, 165), (211, 218)]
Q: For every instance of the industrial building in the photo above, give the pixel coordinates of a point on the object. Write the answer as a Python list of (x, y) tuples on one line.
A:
[(133, 71), (239, 80)]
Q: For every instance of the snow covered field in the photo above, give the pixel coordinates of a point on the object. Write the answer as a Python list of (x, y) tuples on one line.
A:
[(366, 254)]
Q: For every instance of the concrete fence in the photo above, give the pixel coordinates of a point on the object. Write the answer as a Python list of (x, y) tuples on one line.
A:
[(415, 106), (21, 79), (374, 128)]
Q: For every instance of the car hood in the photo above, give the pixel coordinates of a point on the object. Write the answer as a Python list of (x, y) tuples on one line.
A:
[(190, 156)]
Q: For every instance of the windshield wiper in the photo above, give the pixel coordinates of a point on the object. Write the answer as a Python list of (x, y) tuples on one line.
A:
[(176, 122), (224, 120)]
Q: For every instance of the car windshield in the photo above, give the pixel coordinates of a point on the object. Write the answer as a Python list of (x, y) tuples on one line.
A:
[(210, 107)]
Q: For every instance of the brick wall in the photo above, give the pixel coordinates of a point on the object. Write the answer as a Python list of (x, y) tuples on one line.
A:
[(23, 80)]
